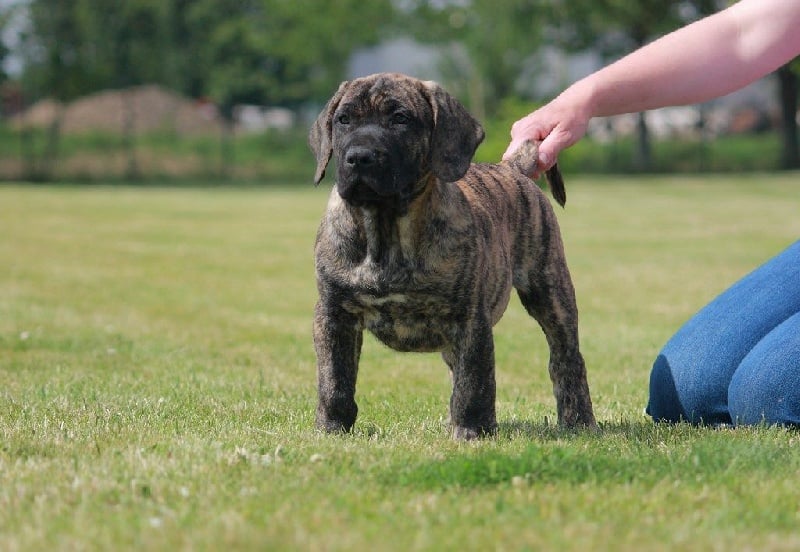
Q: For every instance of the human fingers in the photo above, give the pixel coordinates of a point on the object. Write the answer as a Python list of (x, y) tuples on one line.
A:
[(562, 137), (527, 128)]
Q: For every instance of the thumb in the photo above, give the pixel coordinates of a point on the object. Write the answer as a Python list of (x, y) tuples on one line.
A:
[(544, 159), (549, 149)]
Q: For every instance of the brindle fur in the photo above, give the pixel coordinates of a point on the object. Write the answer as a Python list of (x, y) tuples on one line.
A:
[(422, 248)]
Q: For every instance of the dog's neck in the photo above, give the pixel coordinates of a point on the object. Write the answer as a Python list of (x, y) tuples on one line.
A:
[(393, 237), (387, 236)]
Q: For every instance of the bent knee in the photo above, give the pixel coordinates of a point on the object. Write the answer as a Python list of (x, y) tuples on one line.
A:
[(688, 397), (764, 387), (765, 404)]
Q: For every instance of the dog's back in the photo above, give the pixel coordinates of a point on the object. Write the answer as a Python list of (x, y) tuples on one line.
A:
[(506, 205)]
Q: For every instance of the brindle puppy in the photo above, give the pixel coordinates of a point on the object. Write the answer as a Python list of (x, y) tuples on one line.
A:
[(422, 249)]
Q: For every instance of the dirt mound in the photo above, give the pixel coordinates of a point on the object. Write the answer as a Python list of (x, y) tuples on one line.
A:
[(147, 108)]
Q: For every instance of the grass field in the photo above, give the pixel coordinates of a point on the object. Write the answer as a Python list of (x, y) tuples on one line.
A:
[(158, 385)]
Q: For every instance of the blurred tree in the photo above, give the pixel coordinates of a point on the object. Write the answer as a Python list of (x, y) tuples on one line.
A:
[(487, 44), (140, 36), (279, 52), (616, 27), (6, 13), (54, 59), (77, 47), (268, 52), (185, 57), (74, 48), (275, 52), (137, 29), (54, 62)]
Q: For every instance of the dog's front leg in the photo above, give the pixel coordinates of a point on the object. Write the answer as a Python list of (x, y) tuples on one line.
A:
[(471, 362), (337, 340)]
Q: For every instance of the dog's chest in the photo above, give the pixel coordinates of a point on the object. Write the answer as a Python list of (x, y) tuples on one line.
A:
[(406, 281), (407, 305), (406, 320)]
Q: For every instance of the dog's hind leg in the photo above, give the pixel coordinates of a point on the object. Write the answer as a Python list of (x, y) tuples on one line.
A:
[(548, 296)]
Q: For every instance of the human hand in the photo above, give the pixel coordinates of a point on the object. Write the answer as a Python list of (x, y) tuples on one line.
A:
[(556, 125)]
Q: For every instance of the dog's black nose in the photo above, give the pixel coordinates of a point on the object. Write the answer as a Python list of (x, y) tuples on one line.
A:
[(358, 156)]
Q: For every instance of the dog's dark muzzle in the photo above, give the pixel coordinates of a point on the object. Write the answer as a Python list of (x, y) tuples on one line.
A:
[(364, 175), (358, 158)]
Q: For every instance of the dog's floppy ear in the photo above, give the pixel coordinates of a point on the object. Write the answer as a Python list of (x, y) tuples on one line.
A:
[(320, 136), (456, 135)]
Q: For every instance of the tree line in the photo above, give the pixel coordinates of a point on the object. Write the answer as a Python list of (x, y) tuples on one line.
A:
[(275, 52), (294, 52)]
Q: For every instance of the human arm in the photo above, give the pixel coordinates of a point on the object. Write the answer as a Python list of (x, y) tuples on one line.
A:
[(706, 59)]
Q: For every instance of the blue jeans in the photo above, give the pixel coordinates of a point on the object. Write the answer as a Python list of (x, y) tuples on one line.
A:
[(738, 359)]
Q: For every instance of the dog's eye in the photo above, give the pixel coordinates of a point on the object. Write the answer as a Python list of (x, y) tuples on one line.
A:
[(343, 119), (400, 119)]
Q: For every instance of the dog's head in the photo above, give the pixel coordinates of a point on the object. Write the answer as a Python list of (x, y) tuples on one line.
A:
[(388, 133)]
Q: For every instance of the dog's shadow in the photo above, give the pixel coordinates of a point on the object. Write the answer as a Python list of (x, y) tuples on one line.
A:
[(542, 452), (546, 429)]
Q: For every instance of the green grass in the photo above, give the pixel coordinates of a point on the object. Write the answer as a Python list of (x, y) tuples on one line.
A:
[(158, 384)]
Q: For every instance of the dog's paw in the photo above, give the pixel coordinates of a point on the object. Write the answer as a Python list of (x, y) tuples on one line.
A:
[(577, 419), (336, 416), (333, 426), (461, 433)]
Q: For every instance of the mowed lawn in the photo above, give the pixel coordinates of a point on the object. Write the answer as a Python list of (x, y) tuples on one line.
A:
[(157, 384)]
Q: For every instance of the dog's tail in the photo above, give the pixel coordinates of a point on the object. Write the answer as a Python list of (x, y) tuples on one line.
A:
[(525, 160)]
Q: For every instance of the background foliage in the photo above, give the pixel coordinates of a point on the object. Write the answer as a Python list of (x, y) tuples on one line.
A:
[(269, 52), (293, 55)]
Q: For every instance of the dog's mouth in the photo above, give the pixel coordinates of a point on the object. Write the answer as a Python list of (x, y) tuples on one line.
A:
[(360, 190), (356, 188)]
